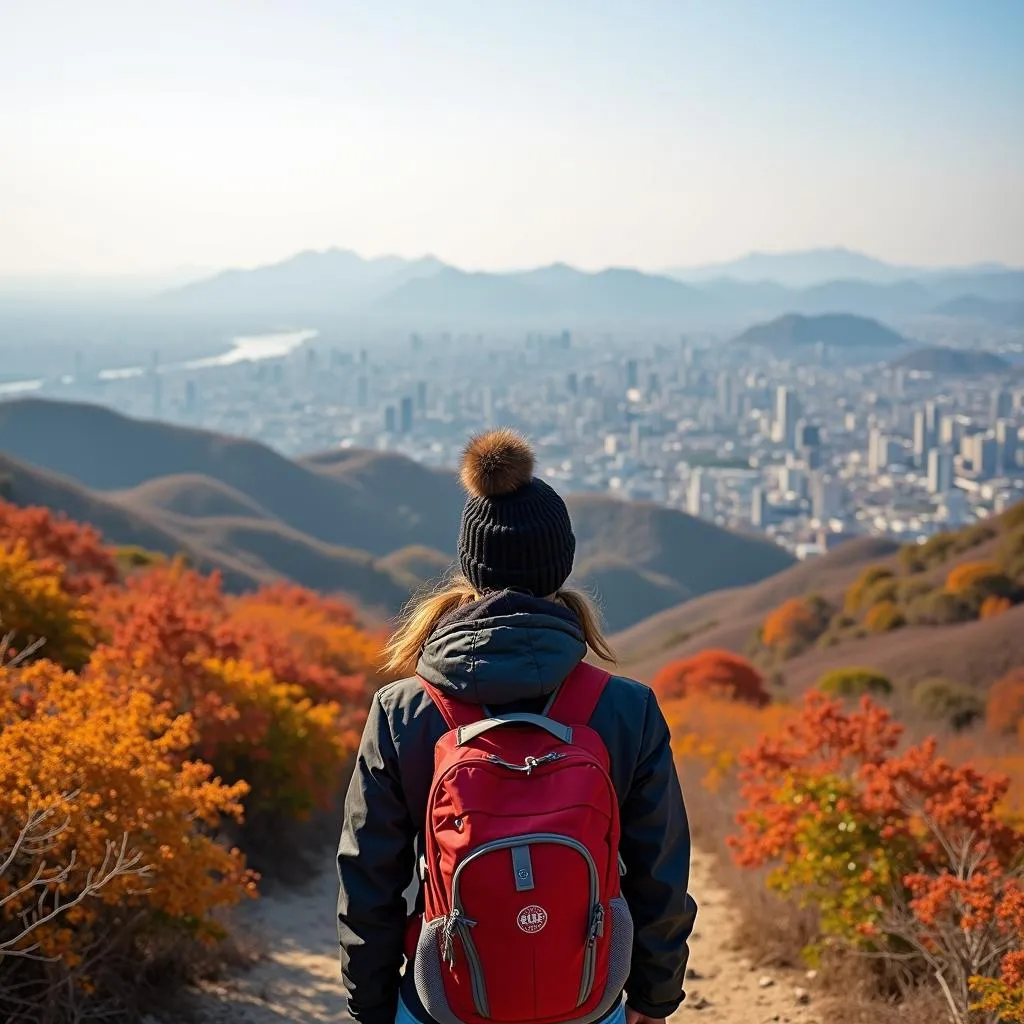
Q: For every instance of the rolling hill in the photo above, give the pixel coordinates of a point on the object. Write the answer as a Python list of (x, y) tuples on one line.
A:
[(837, 330), (976, 653), (246, 551), (369, 523)]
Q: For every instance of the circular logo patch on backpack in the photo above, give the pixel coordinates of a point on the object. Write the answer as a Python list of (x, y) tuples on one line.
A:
[(532, 919)]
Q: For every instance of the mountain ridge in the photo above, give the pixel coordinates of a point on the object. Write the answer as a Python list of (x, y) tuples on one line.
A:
[(390, 289)]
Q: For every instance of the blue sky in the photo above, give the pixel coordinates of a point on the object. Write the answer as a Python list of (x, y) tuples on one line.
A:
[(136, 136)]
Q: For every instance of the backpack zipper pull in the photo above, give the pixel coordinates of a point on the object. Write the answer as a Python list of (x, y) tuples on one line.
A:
[(528, 764), (454, 920), (596, 923)]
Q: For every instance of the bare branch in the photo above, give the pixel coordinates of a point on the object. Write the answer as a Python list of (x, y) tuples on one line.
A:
[(118, 862)]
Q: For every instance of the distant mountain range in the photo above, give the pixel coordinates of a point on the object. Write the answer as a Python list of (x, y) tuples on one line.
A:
[(819, 266), (373, 525), (426, 291)]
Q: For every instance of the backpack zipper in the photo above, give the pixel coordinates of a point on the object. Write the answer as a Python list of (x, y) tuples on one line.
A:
[(458, 922), (590, 953), (528, 764)]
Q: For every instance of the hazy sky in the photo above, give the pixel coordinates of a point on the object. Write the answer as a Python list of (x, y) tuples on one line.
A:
[(150, 134)]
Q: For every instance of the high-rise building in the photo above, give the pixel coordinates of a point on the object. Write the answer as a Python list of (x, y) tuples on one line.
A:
[(635, 439), (931, 419), (1002, 404), (984, 455), (405, 415), (1008, 443), (949, 432), (924, 439), (883, 451), (808, 443), (826, 496), (875, 450), (421, 396), (632, 373), (940, 470), (390, 419), (726, 395), (786, 415)]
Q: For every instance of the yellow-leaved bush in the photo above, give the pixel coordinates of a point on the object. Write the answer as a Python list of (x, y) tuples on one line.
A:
[(108, 768)]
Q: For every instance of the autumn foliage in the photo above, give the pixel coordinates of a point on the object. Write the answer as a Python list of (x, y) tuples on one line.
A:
[(160, 717), (899, 850), (713, 672), (794, 626), (1004, 712), (76, 550)]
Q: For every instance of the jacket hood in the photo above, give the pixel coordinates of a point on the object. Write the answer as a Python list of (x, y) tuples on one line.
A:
[(506, 647)]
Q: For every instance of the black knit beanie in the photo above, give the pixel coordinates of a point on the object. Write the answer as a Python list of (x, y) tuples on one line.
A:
[(515, 532)]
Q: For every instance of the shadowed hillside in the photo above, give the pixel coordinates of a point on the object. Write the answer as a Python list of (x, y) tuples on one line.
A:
[(952, 361), (371, 524), (192, 494)]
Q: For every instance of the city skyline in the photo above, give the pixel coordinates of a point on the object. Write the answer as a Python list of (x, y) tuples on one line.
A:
[(659, 136)]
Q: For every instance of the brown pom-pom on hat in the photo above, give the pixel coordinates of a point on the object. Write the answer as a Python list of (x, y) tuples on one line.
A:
[(515, 532), (498, 462)]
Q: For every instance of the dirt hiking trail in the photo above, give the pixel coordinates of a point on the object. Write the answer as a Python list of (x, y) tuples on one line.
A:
[(296, 980)]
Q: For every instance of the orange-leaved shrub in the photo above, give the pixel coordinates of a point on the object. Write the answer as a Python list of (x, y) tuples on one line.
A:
[(76, 549), (715, 672), (993, 606), (709, 732), (172, 626), (272, 734), (305, 638), (794, 625), (159, 719), (901, 852), (108, 772), (981, 579), (1004, 710)]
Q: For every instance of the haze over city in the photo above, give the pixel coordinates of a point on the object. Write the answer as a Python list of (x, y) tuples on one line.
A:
[(139, 139)]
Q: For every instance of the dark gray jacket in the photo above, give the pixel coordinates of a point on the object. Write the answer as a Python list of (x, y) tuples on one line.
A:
[(507, 651)]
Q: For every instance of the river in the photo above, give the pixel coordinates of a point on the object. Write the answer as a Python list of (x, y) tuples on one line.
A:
[(244, 348)]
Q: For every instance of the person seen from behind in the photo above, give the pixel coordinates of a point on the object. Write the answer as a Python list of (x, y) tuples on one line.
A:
[(532, 794)]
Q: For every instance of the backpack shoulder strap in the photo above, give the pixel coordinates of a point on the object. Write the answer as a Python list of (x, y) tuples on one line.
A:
[(578, 695), (456, 713)]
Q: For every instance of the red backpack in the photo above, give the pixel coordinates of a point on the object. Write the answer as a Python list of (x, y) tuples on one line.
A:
[(523, 917)]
